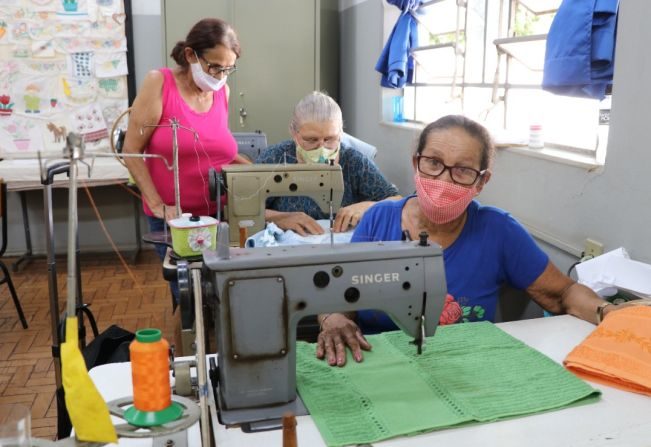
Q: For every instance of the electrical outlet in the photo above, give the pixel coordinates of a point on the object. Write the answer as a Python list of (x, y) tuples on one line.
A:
[(593, 248)]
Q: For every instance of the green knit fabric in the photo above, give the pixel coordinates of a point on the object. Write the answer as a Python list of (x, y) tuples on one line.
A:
[(472, 372)]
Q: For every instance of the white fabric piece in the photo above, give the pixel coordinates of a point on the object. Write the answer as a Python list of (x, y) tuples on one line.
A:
[(273, 236), (613, 271), (19, 135), (43, 49), (89, 122), (32, 94), (81, 65), (111, 65), (72, 9), (109, 7)]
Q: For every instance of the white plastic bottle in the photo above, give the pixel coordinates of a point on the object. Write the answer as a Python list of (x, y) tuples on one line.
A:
[(536, 136)]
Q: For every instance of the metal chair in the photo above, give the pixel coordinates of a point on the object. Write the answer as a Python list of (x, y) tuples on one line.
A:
[(6, 278)]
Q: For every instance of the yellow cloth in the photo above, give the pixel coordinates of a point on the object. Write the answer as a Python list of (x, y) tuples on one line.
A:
[(618, 352), (88, 412)]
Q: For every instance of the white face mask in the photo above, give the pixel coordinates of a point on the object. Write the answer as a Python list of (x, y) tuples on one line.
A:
[(203, 80)]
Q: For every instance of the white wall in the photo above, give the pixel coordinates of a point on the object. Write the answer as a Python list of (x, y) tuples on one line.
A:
[(148, 46), (569, 203)]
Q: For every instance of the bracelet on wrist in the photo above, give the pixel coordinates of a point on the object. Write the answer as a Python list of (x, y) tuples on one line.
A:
[(600, 311)]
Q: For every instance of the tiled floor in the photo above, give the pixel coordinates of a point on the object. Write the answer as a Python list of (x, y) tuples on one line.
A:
[(26, 365)]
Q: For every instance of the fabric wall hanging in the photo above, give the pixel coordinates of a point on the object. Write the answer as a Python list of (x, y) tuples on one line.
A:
[(64, 67)]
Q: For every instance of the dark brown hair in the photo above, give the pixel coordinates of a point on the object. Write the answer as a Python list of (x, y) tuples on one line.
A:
[(204, 35), (472, 128)]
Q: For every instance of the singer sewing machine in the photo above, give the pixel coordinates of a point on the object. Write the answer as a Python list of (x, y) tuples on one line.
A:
[(249, 186), (259, 295)]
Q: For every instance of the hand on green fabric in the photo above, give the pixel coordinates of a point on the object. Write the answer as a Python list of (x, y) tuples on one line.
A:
[(337, 332)]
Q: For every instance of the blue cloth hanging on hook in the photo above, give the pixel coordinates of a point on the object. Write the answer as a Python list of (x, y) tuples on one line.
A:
[(580, 55), (395, 63)]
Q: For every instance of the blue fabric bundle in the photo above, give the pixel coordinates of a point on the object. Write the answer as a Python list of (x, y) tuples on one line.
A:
[(580, 54), (395, 62)]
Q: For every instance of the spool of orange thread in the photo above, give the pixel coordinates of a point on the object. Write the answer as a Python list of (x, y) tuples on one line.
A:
[(152, 394)]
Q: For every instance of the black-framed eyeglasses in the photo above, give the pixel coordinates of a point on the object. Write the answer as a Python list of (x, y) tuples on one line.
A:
[(216, 69), (434, 167)]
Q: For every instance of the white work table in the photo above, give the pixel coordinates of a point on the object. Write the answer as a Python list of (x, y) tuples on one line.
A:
[(619, 418)]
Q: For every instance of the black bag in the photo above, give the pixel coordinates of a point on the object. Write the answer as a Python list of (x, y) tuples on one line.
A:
[(111, 346)]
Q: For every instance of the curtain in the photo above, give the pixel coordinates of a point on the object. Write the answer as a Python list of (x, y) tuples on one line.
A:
[(395, 63)]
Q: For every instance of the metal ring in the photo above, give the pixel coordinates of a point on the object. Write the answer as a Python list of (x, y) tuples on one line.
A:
[(113, 129), (190, 416)]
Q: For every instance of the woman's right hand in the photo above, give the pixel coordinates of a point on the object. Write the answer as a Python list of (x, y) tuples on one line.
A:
[(298, 222), (337, 332), (165, 212)]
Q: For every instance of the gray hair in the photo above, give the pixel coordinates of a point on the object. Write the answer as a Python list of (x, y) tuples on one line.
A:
[(317, 107)]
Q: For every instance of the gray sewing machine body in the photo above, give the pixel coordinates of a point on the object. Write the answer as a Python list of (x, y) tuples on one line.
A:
[(249, 186), (259, 295)]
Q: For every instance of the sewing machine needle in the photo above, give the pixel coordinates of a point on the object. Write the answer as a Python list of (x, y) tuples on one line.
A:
[(420, 339), (332, 236)]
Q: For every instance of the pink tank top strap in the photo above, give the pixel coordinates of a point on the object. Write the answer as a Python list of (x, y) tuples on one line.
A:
[(169, 84)]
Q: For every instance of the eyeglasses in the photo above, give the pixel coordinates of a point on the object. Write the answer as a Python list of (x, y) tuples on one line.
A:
[(216, 69), (435, 167)]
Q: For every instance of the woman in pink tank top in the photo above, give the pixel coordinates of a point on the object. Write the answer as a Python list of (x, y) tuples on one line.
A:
[(196, 94)]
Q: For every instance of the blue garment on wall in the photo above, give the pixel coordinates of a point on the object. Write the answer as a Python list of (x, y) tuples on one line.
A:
[(395, 62), (580, 54)]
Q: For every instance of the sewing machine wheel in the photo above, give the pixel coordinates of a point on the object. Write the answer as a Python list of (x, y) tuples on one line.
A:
[(117, 135), (185, 291), (182, 379)]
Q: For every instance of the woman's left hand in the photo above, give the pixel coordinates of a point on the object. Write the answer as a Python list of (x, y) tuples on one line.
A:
[(338, 331), (349, 216)]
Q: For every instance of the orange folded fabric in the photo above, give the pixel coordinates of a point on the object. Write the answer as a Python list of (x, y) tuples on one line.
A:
[(618, 352)]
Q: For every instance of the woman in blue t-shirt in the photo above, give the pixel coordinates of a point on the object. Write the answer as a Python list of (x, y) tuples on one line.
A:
[(483, 247)]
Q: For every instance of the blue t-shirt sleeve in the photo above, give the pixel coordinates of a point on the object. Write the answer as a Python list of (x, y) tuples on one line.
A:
[(381, 222), (364, 229), (523, 260)]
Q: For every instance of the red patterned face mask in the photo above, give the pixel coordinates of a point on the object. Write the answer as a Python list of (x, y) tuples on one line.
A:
[(441, 201)]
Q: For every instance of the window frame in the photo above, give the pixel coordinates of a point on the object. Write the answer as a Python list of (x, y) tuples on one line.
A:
[(590, 158)]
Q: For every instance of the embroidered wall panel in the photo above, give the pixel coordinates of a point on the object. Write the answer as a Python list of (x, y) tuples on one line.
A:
[(63, 68)]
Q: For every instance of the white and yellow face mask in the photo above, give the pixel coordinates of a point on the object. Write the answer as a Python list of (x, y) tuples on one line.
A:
[(318, 155)]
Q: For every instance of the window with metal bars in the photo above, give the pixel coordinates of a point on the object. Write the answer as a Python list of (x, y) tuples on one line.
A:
[(484, 59)]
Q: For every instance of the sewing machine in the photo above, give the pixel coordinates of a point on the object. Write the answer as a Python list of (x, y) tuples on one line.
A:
[(258, 296), (249, 186)]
